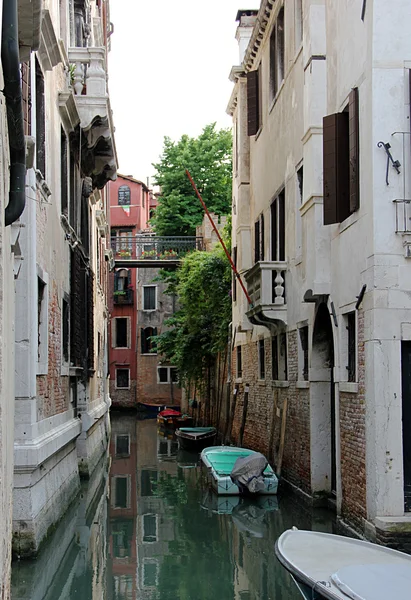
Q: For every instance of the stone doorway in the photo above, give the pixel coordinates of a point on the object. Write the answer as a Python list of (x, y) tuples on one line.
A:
[(322, 405)]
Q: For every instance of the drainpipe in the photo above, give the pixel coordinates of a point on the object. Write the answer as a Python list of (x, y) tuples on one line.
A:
[(14, 105)]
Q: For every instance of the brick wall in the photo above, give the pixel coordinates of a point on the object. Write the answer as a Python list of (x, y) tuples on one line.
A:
[(52, 389), (352, 431), (123, 398)]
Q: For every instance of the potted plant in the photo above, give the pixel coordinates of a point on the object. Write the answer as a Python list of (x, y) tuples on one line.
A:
[(149, 254), (169, 254), (124, 253)]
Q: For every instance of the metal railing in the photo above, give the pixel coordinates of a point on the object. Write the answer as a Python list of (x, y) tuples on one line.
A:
[(123, 297), (140, 247)]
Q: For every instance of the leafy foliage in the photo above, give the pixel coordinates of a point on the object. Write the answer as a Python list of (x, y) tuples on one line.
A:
[(198, 330), (208, 158)]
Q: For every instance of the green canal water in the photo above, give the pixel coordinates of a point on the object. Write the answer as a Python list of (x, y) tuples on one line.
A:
[(146, 527)]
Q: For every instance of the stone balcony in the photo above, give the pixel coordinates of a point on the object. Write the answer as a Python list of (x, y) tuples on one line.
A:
[(89, 82), (266, 288)]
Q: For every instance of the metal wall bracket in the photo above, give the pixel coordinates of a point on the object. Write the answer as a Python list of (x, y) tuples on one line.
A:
[(395, 163)]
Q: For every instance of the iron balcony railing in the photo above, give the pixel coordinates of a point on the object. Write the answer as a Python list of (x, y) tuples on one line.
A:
[(140, 247)]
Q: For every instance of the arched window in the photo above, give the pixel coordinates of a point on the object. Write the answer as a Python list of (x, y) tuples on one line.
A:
[(148, 345), (122, 280), (124, 195)]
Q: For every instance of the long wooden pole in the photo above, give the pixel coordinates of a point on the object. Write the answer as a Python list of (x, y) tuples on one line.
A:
[(234, 268)]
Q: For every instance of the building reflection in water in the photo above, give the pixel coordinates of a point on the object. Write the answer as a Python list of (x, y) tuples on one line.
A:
[(72, 562)]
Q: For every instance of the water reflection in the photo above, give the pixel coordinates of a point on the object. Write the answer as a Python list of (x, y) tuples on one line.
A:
[(161, 534)]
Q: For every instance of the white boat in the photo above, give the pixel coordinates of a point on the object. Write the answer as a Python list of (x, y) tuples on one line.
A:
[(332, 567), (220, 460)]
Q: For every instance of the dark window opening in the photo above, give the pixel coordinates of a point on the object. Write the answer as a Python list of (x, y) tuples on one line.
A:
[(123, 378), (150, 574), (300, 179), (279, 357), (124, 195), (274, 358), (149, 528), (261, 359), (278, 228), (121, 492), (148, 482), (41, 287), (121, 332), (40, 122), (259, 239), (234, 281), (163, 374), (66, 330), (173, 375), (64, 173), (148, 344), (303, 331), (149, 297), (277, 55), (283, 366), (123, 445), (239, 362), (352, 344)]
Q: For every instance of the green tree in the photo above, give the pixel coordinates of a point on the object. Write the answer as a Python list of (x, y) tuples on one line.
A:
[(208, 158), (197, 332)]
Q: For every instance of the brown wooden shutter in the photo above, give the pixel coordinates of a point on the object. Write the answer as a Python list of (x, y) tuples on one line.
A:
[(256, 241), (354, 144), (335, 168), (253, 103)]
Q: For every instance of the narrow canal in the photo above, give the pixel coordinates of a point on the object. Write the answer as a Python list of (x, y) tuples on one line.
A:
[(149, 529)]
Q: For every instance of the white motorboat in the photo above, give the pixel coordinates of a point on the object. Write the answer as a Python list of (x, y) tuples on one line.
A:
[(333, 567)]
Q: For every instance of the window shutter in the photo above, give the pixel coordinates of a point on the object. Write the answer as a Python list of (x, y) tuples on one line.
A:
[(281, 225), (354, 143), (335, 168), (274, 230), (115, 282), (113, 332), (253, 108), (143, 341), (256, 241)]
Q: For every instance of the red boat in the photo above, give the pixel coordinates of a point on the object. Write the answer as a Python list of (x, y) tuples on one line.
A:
[(173, 418)]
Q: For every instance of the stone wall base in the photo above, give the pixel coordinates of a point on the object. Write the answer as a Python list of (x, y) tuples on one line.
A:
[(93, 441), (45, 493)]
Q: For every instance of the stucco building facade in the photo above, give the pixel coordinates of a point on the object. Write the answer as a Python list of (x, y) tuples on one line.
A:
[(321, 237), (61, 387)]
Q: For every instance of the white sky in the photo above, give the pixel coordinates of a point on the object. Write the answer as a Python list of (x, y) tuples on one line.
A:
[(168, 73)]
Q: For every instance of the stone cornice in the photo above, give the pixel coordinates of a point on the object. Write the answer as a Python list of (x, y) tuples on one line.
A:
[(260, 27)]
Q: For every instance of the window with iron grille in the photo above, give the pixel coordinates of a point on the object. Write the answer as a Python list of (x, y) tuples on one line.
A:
[(352, 346), (261, 359)]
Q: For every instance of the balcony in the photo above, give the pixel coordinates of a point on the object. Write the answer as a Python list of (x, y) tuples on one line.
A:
[(124, 297), (89, 82), (266, 288), (147, 251)]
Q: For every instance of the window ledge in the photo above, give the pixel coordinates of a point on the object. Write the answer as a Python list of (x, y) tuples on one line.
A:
[(65, 370), (353, 218), (149, 354), (280, 384), (302, 385), (257, 135), (350, 387)]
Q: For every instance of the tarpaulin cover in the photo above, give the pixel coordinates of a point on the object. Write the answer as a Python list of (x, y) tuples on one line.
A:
[(247, 473), (169, 412)]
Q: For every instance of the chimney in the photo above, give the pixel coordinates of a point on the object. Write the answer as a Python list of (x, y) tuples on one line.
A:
[(246, 21)]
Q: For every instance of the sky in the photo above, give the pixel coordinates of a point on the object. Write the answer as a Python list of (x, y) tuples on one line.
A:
[(169, 69)]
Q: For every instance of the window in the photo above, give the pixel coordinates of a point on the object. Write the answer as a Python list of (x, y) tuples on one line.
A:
[(259, 241), (298, 18), (277, 55), (121, 491), (341, 162), (148, 482), (261, 359), (122, 532), (121, 332), (278, 228), (42, 326), (279, 357), (352, 343), (303, 354), (254, 108), (167, 375), (66, 330), (239, 362), (148, 345), (40, 122), (122, 445), (150, 573), (124, 195), (149, 528), (149, 297), (299, 202), (63, 173), (123, 379), (26, 96)]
